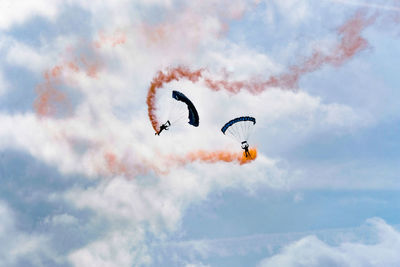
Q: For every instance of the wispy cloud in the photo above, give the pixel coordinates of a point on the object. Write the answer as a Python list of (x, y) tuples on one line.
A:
[(271, 244), (368, 5), (312, 251)]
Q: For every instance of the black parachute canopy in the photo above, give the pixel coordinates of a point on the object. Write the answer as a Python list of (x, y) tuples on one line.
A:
[(193, 115), (235, 120)]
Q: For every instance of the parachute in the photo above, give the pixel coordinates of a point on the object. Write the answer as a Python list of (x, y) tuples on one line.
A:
[(193, 115), (240, 129), (180, 108)]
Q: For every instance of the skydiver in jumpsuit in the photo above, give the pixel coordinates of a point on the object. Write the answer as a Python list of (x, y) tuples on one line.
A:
[(245, 146), (163, 127)]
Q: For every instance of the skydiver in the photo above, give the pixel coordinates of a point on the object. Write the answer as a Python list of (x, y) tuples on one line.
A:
[(163, 127), (245, 146)]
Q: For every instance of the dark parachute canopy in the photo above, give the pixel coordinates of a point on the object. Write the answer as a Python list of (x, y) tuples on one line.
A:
[(239, 128), (193, 116), (179, 108)]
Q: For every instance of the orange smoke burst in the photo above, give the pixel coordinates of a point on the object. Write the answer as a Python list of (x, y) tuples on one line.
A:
[(162, 78)]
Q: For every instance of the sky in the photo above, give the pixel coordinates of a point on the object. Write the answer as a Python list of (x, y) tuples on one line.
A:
[(85, 84)]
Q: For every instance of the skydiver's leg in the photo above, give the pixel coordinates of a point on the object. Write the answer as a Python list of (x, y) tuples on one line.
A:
[(247, 153)]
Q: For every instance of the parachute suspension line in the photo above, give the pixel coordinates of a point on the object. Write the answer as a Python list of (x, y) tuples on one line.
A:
[(251, 129), (178, 120), (178, 112), (246, 125), (243, 132), (233, 133), (170, 110), (237, 131)]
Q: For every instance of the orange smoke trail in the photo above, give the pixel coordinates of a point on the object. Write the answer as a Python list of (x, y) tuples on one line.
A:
[(49, 98), (351, 43), (162, 78), (117, 38), (113, 165), (215, 156)]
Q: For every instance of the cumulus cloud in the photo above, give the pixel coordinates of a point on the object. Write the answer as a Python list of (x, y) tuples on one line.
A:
[(17, 12), (311, 251), (17, 245), (389, 5), (118, 248), (296, 11)]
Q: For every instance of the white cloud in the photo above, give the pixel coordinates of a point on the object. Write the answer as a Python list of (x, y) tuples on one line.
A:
[(17, 12), (366, 4), (22, 55), (119, 248), (293, 12), (15, 244), (310, 251)]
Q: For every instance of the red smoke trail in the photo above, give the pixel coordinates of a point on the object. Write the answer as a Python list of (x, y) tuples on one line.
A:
[(159, 81)]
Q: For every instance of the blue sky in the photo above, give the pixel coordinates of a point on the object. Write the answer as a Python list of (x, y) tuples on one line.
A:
[(90, 184)]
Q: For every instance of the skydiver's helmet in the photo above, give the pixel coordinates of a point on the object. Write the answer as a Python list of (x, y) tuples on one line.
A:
[(245, 145)]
